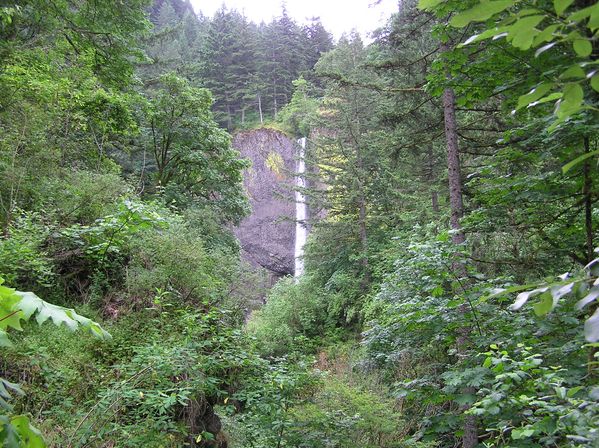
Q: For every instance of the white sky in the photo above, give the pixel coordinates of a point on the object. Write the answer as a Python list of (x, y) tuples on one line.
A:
[(338, 16)]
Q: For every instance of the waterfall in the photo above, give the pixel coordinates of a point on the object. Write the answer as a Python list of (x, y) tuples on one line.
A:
[(301, 209)]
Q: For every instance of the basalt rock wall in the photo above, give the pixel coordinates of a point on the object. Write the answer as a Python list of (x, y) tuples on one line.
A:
[(267, 235)]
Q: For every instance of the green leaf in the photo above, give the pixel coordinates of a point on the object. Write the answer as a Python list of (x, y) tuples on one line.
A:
[(479, 13), (561, 5), (4, 341), (10, 315), (543, 306), (522, 33), (574, 390), (560, 391), (581, 14), (594, 19), (552, 97), (429, 4), (535, 94), (571, 101), (30, 436), (568, 166), (31, 304), (574, 71), (546, 34), (484, 35), (590, 297), (595, 82), (523, 433), (582, 47)]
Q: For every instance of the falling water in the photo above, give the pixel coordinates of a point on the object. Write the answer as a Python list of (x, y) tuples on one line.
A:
[(301, 210)]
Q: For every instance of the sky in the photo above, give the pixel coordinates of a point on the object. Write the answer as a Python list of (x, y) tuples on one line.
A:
[(338, 16)]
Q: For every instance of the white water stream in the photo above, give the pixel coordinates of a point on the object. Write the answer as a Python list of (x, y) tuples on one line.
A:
[(301, 210)]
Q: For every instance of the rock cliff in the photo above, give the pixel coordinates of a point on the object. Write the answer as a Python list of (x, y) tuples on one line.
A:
[(267, 236)]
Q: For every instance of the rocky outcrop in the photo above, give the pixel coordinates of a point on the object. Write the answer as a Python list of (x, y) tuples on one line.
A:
[(267, 235)]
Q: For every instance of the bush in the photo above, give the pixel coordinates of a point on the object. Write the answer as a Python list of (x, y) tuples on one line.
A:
[(294, 316), (82, 196), (173, 260), (23, 260)]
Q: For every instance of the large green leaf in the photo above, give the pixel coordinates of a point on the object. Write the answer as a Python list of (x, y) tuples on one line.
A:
[(568, 166), (10, 315), (17, 432), (583, 47), (31, 304), (535, 94), (571, 102), (545, 305), (522, 33), (561, 5), (595, 82), (574, 71), (429, 4), (481, 12)]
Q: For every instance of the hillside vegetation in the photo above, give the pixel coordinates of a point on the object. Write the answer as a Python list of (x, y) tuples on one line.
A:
[(451, 284)]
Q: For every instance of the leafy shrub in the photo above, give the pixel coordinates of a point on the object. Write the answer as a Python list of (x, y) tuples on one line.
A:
[(94, 256), (81, 196), (23, 259), (294, 316), (528, 403), (174, 260), (161, 390), (268, 392), (16, 430)]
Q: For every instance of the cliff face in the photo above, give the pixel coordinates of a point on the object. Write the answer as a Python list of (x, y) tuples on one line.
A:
[(267, 236)]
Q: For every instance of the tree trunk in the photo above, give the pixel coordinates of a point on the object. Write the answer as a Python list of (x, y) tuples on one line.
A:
[(470, 436), (435, 201), (364, 242), (260, 109), (453, 167), (362, 212)]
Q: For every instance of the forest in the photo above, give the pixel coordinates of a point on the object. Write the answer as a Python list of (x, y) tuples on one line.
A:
[(450, 296)]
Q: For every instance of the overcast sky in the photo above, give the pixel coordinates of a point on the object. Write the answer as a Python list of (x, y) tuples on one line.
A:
[(338, 16)]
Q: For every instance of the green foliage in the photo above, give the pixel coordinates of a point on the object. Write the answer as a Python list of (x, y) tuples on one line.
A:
[(269, 395), (563, 41), (117, 195), (530, 403), (174, 260), (82, 196), (23, 259), (112, 233), (194, 160), (292, 317), (15, 306), (345, 415), (300, 115), (582, 285), (18, 306)]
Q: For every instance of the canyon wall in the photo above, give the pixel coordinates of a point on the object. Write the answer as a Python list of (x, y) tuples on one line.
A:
[(267, 235)]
